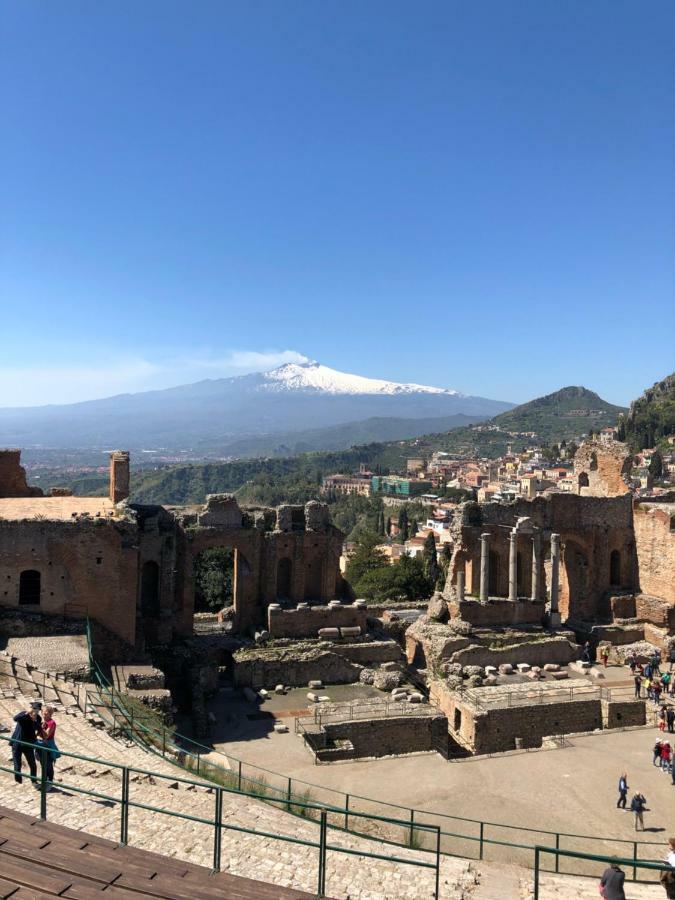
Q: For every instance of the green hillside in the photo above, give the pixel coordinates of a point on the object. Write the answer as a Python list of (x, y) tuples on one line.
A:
[(565, 414), (651, 418)]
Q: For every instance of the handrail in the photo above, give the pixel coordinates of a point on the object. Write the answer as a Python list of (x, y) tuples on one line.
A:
[(172, 749), (217, 822), (593, 857)]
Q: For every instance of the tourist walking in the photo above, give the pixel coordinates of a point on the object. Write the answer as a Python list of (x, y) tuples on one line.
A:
[(611, 883), (47, 735), (26, 730), (604, 656), (662, 719), (665, 756), (637, 807), (656, 761), (632, 662), (638, 686), (623, 790), (670, 719)]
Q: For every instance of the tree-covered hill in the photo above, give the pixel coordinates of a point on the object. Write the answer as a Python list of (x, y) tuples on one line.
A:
[(651, 418), (567, 413)]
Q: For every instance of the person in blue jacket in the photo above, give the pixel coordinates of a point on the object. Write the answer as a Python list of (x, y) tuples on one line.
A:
[(27, 729)]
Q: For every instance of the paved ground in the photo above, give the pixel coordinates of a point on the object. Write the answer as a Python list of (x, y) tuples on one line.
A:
[(571, 790)]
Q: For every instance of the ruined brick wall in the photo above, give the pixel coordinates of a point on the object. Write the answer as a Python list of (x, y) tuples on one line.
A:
[(591, 530), (623, 713), (306, 622), (292, 667), (119, 475), (13, 476), (602, 470), (498, 612), (655, 544), (391, 736), (85, 568)]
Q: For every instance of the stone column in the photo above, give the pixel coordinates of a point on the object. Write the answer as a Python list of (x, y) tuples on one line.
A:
[(513, 565), (484, 565), (460, 586), (536, 565), (555, 579)]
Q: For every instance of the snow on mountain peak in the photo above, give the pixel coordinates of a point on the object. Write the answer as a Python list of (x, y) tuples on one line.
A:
[(312, 376)]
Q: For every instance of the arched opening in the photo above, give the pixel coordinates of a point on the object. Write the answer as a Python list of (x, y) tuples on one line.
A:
[(583, 480), (213, 571), (457, 720), (284, 577), (314, 580), (150, 590), (594, 462), (615, 568), (29, 588)]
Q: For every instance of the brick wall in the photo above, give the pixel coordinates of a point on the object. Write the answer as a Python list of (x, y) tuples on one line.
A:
[(389, 737), (655, 543)]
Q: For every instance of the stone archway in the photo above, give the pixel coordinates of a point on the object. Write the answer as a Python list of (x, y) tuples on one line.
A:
[(30, 587)]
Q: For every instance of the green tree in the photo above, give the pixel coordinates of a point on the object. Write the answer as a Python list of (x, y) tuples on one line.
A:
[(656, 465), (213, 574), (404, 580), (365, 558), (403, 530), (430, 558)]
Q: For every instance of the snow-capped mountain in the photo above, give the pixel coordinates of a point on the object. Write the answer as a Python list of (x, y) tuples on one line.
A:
[(313, 376), (208, 415)]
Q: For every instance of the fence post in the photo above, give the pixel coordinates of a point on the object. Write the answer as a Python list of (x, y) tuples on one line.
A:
[(239, 777), (124, 823), (43, 783), (536, 873), (634, 860), (289, 795), (412, 823), (346, 812), (557, 856), (217, 834), (322, 854), (482, 831), (198, 761), (163, 741), (438, 863)]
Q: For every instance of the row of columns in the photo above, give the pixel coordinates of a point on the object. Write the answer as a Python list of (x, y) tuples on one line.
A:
[(513, 568)]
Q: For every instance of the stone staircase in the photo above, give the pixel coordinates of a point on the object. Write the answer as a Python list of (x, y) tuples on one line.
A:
[(160, 785)]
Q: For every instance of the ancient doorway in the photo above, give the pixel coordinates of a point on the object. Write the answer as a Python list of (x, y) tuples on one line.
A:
[(615, 568), (213, 571), (583, 480), (284, 578), (29, 588), (577, 576), (314, 580), (150, 590)]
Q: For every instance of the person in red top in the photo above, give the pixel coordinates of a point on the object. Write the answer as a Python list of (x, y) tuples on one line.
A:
[(665, 756), (47, 735)]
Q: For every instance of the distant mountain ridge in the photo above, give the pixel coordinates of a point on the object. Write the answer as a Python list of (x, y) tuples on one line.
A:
[(206, 416)]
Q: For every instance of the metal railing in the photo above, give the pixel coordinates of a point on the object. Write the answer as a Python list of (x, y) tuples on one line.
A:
[(309, 810), (460, 836), (650, 865)]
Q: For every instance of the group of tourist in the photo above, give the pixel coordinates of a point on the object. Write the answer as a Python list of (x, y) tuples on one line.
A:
[(613, 878), (657, 685), (32, 729), (663, 757)]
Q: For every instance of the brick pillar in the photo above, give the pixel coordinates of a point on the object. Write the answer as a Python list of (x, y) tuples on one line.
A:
[(119, 475)]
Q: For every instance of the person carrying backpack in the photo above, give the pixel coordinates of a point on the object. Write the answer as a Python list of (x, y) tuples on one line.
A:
[(611, 883)]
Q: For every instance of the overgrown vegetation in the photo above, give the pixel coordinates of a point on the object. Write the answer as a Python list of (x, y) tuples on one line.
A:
[(651, 418), (214, 579)]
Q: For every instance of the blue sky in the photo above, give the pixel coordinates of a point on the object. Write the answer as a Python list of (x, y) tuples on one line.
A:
[(473, 195)]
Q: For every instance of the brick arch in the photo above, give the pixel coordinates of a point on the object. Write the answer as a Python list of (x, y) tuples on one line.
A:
[(576, 581)]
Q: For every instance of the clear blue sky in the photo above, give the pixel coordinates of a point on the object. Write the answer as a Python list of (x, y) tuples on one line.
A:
[(479, 195)]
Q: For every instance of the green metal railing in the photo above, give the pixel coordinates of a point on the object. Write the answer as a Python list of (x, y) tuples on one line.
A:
[(460, 836), (650, 865), (216, 823)]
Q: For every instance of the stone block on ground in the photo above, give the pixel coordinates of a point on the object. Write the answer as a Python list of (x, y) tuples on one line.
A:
[(506, 669), (329, 634), (348, 631), (399, 697), (312, 685), (279, 689), (416, 698), (561, 675), (391, 667), (551, 667), (324, 698), (491, 670), (263, 694), (312, 697), (386, 681), (490, 680), (437, 610), (281, 728), (523, 667), (367, 676)]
